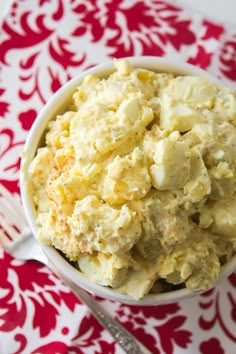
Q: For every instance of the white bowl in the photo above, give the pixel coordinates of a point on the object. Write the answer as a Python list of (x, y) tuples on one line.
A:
[(56, 105)]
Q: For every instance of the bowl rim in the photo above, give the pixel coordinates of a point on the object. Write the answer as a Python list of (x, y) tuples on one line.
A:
[(55, 106)]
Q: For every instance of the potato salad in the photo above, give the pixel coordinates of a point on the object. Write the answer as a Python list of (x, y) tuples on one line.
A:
[(135, 183)]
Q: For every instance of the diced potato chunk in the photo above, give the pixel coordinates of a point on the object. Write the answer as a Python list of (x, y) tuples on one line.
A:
[(99, 227), (199, 183), (195, 262), (104, 269), (127, 178), (109, 129), (193, 90), (140, 281), (226, 101), (223, 213), (41, 167), (178, 116)]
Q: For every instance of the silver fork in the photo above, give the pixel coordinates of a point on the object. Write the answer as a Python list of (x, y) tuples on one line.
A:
[(19, 241)]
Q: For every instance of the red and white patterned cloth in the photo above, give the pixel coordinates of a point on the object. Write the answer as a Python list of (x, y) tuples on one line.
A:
[(43, 43)]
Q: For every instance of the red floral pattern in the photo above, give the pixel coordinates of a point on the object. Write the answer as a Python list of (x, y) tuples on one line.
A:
[(227, 57), (43, 44), (211, 346)]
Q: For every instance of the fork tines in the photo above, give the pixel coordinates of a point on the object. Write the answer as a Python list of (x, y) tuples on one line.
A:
[(12, 219)]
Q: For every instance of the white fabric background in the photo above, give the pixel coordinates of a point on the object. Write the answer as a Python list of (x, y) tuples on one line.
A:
[(219, 10)]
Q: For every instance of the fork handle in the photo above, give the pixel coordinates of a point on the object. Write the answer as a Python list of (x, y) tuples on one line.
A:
[(124, 338)]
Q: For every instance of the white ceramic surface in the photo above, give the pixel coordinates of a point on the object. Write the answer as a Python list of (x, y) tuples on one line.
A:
[(56, 105)]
